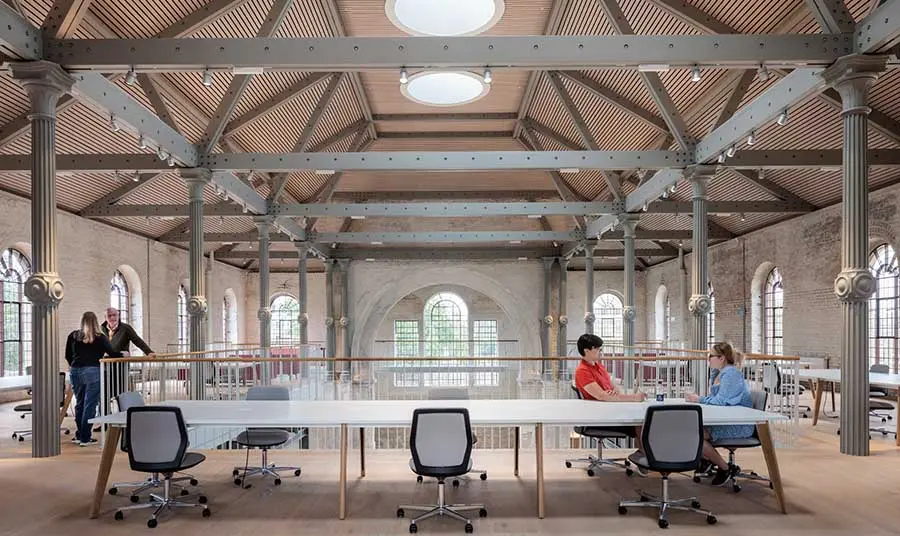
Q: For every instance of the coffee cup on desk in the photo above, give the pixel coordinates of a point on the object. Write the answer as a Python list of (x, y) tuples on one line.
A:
[(661, 397)]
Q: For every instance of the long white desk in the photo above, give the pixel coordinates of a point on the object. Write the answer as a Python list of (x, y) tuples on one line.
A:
[(823, 376), (397, 413), (15, 383)]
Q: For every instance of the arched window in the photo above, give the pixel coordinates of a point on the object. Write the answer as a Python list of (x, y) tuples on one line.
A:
[(285, 327), (773, 313), (183, 322), (15, 330), (608, 317), (711, 322), (446, 326), (118, 296), (229, 318), (884, 307)]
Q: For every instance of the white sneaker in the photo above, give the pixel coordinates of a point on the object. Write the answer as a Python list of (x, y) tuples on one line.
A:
[(88, 443)]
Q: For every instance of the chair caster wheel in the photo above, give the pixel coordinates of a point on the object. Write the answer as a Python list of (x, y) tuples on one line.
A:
[(119, 516), (237, 481), (695, 504), (627, 463), (482, 512), (413, 529), (663, 524), (277, 481), (697, 479), (736, 488), (629, 472), (297, 472), (194, 482), (185, 492), (152, 523), (419, 479), (455, 483), (568, 465), (400, 512), (235, 473), (644, 499), (711, 520), (206, 512), (113, 491), (21, 439), (469, 528), (134, 498), (483, 476), (590, 472), (623, 510), (202, 499), (771, 485)]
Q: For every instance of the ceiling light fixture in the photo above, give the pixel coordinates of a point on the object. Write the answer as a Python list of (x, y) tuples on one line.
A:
[(114, 124), (730, 152), (131, 77), (404, 76), (444, 17), (171, 161), (376, 243), (751, 139), (357, 217), (783, 118), (515, 241), (535, 216), (162, 154), (653, 67), (743, 218), (673, 187), (136, 177), (721, 158), (324, 172), (695, 74), (522, 258), (142, 142), (207, 78), (762, 73), (488, 77)]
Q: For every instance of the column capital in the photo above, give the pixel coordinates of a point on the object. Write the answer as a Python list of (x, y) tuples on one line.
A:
[(264, 225), (329, 265), (629, 223), (303, 248), (44, 289), (699, 172), (45, 83), (343, 264), (699, 304), (854, 284), (563, 262), (548, 262), (197, 306), (196, 174), (852, 76)]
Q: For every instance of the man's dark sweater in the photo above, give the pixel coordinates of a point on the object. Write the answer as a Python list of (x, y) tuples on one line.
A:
[(123, 336)]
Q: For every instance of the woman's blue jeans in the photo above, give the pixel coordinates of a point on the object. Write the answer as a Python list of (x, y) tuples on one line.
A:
[(86, 387)]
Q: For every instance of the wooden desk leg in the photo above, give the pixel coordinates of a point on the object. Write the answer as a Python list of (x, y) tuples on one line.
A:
[(768, 448), (65, 407), (516, 454), (362, 452), (539, 453), (820, 388), (342, 500), (106, 461)]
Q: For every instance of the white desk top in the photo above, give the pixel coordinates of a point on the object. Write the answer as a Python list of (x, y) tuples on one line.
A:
[(15, 383), (399, 412), (834, 375)]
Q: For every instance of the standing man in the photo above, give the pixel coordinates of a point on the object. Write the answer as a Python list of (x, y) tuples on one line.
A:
[(121, 336)]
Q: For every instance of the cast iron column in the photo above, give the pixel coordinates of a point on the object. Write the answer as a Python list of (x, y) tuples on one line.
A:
[(588, 288), (852, 77), (629, 223), (302, 294), (344, 265), (196, 180), (699, 303), (329, 315), (561, 338), (546, 317), (45, 83), (264, 313)]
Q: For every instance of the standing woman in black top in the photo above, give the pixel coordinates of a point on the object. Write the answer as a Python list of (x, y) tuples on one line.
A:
[(84, 349)]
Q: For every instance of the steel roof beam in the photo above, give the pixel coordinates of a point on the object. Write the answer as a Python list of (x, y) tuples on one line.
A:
[(349, 54), (611, 97), (274, 103), (731, 207), (809, 158), (485, 116), (443, 210), (163, 211), (449, 237), (880, 30), (90, 162), (832, 15)]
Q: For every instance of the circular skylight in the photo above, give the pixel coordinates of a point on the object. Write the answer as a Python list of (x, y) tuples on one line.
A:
[(444, 17), (444, 89)]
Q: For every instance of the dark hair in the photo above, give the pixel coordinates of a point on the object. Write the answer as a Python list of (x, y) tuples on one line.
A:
[(588, 341)]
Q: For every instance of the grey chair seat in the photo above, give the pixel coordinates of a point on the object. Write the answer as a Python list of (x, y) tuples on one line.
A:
[(880, 404), (739, 443), (263, 437), (412, 466), (638, 459), (190, 460), (605, 432), (21, 408)]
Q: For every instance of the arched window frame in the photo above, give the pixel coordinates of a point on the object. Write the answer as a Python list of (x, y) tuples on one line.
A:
[(284, 329), (773, 313), (119, 296), (15, 328), (608, 321), (183, 322), (884, 306), (446, 321)]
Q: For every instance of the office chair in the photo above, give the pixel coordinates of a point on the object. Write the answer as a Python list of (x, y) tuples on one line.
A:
[(759, 399), (25, 410), (441, 446), (772, 384), (157, 443), (454, 393), (673, 443), (133, 399), (601, 433), (876, 394), (263, 439)]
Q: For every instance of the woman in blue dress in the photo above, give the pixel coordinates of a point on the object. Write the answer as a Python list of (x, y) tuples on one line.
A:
[(726, 388)]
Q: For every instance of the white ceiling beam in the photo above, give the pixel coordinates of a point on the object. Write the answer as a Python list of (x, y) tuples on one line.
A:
[(90, 162), (164, 211), (731, 207), (443, 210), (651, 189), (798, 159), (474, 116), (19, 39), (448, 237), (515, 52), (445, 161), (832, 15), (880, 29)]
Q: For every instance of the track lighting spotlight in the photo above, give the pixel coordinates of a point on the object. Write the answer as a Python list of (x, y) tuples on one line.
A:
[(743, 218), (142, 142), (162, 154), (673, 187), (645, 206), (131, 77), (783, 118), (114, 124), (136, 177), (207, 78), (404, 76), (730, 152), (695, 74), (721, 158), (751, 139), (171, 161), (488, 78), (762, 73)]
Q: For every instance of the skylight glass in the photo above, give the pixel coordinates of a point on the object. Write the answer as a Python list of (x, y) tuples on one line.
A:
[(444, 17), (444, 89)]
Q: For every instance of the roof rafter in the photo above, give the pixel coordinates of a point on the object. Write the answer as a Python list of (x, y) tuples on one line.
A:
[(64, 17), (611, 97), (274, 103)]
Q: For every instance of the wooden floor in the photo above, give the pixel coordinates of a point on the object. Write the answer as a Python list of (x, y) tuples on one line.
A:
[(827, 493)]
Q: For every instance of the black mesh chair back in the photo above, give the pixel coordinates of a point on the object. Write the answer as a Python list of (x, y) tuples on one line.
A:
[(128, 399), (673, 437), (441, 441), (157, 438)]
